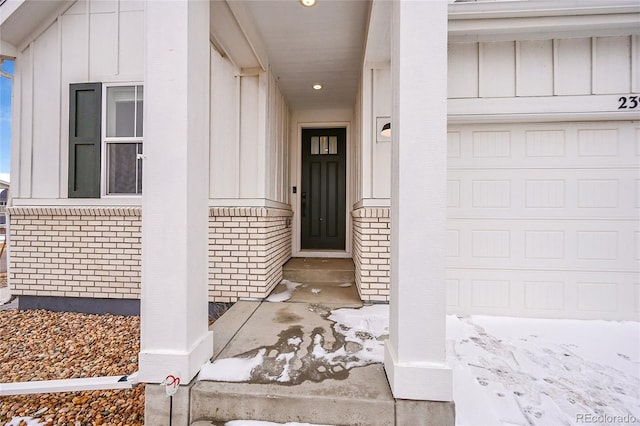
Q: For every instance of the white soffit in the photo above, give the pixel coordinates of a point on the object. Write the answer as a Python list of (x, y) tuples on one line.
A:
[(228, 36), (378, 50), (20, 18), (307, 45)]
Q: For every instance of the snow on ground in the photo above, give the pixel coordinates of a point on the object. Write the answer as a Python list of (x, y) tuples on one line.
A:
[(364, 327), (516, 371), (30, 421), (284, 295), (231, 369), (358, 336), (506, 371)]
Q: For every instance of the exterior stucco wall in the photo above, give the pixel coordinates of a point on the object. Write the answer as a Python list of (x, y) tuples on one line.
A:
[(371, 252), (247, 248)]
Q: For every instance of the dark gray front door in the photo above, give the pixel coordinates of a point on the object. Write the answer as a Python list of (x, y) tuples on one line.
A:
[(323, 188)]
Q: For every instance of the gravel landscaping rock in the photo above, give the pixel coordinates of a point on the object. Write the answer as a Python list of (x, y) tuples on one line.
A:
[(43, 345)]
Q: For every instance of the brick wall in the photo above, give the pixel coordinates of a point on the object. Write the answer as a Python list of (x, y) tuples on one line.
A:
[(371, 252), (247, 248), (95, 251), (75, 252)]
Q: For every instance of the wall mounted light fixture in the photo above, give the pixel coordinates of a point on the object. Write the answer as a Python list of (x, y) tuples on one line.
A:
[(386, 130), (383, 129)]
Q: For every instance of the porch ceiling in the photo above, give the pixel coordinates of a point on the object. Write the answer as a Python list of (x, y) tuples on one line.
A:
[(307, 45)]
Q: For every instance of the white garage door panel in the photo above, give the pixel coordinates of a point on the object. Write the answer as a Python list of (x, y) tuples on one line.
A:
[(541, 244), (551, 294), (548, 145), (548, 193), (544, 219)]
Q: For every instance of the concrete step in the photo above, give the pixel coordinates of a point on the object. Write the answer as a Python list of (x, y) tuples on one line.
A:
[(326, 394), (324, 293), (362, 400), (311, 270)]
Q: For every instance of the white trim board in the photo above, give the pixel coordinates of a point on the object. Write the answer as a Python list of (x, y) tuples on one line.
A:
[(67, 385)]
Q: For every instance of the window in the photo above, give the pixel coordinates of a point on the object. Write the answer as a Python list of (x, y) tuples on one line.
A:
[(122, 148), (105, 140), (324, 145)]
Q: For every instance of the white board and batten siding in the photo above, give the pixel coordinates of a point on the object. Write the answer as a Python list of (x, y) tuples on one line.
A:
[(90, 41), (249, 137), (544, 209), (374, 154), (557, 67), (99, 41)]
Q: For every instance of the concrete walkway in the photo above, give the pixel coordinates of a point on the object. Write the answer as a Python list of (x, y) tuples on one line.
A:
[(291, 361), (307, 373), (315, 392), (321, 394)]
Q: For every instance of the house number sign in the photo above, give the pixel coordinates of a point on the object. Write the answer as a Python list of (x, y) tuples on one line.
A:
[(627, 102)]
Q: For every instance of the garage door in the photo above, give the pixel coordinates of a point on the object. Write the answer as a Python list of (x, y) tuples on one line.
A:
[(543, 219)]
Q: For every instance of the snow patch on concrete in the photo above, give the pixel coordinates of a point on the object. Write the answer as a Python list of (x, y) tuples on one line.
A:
[(231, 369), (284, 295)]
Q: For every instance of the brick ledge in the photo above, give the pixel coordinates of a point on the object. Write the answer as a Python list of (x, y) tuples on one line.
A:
[(137, 211), (371, 212), (74, 211), (248, 212)]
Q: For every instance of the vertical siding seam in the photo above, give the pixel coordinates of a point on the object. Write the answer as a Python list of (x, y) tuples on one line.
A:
[(372, 134), (60, 127), (117, 35), (516, 66), (238, 171), (210, 144), (631, 67), (32, 71), (16, 117), (87, 13), (554, 66), (480, 72), (593, 64), (634, 64)]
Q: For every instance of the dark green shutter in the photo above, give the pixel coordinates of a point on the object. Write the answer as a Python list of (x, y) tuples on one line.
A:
[(85, 117)]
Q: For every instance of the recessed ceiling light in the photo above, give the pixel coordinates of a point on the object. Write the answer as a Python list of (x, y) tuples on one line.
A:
[(317, 86), (308, 3)]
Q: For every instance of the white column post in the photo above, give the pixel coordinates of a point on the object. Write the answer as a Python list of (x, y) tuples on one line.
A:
[(415, 358), (174, 327)]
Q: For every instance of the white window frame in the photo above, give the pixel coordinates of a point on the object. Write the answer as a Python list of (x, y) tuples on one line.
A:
[(105, 141)]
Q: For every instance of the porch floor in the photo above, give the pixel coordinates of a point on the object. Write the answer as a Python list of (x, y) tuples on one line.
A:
[(291, 385)]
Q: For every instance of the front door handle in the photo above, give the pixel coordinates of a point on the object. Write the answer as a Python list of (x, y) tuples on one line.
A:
[(304, 204)]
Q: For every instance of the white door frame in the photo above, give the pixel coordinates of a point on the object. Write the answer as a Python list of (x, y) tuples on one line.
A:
[(297, 182)]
